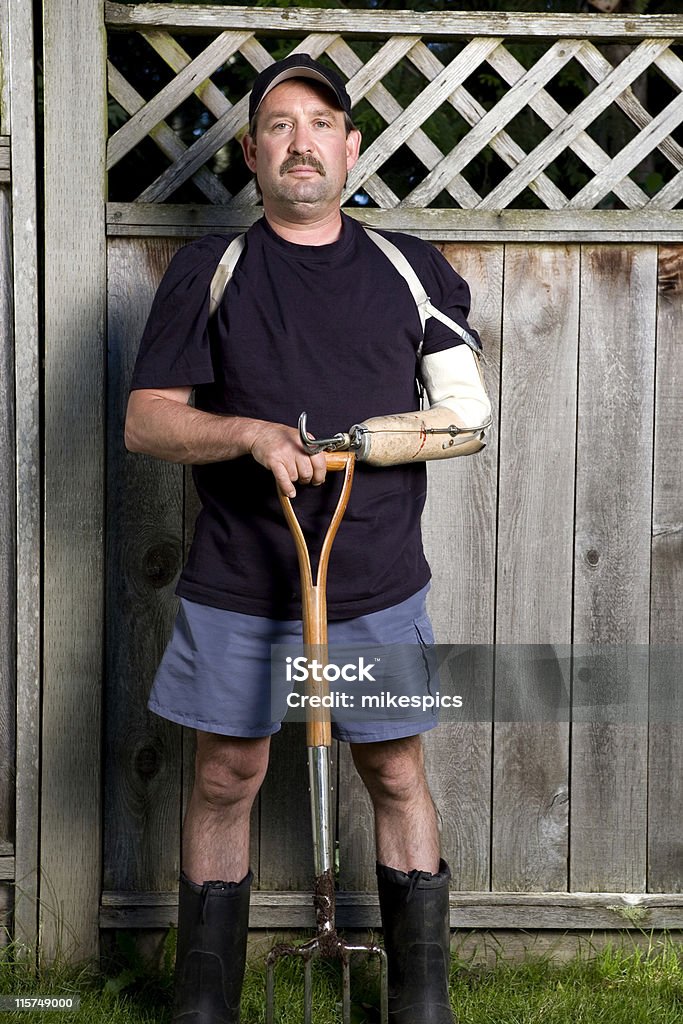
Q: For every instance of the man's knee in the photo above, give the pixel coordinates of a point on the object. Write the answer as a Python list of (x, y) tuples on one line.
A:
[(229, 769), (391, 769)]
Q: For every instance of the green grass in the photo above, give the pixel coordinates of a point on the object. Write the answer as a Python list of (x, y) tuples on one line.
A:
[(612, 986)]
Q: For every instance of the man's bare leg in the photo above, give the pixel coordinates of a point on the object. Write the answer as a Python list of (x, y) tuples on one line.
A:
[(406, 826), (228, 775), (414, 906), (213, 897)]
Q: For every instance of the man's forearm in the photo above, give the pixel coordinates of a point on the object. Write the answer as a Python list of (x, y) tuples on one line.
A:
[(165, 426), (177, 432)]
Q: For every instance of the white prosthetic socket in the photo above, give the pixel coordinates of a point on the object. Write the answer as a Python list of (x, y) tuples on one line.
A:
[(454, 425)]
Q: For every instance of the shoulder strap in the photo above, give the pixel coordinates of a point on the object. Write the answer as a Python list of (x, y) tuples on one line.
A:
[(424, 307), (224, 271)]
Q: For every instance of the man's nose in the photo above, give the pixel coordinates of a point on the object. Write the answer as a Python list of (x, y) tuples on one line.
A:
[(301, 141)]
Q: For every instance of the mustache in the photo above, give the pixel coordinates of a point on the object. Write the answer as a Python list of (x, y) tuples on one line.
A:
[(305, 160)]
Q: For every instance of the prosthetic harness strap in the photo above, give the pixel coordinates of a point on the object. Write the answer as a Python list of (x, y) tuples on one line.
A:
[(425, 309), (420, 297), (224, 271)]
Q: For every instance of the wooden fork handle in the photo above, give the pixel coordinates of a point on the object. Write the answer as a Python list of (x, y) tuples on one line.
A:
[(313, 594)]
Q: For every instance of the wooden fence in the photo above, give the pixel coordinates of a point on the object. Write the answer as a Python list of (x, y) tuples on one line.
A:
[(566, 531)]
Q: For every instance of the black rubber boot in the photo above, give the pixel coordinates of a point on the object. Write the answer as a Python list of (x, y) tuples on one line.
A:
[(213, 921), (414, 910)]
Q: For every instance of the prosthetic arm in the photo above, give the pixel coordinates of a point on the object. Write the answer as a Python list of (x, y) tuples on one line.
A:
[(458, 415), (454, 424)]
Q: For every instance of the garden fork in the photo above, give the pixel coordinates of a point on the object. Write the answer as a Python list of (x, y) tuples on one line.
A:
[(326, 942)]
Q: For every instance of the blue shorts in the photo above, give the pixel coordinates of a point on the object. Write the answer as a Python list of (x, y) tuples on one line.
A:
[(215, 674)]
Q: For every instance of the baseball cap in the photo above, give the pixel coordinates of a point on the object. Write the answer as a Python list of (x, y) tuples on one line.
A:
[(297, 65)]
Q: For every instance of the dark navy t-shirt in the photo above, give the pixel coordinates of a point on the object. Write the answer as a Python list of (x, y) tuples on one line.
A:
[(332, 330)]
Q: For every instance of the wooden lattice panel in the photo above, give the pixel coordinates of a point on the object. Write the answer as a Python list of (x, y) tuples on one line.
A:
[(484, 126)]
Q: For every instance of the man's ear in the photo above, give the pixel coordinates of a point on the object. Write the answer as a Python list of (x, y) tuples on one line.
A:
[(353, 141), (249, 151)]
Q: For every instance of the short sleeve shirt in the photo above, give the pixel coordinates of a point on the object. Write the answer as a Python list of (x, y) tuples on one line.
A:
[(331, 330)]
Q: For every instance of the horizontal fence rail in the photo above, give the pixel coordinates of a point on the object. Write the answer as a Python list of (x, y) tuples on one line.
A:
[(530, 911), (461, 114), (354, 23)]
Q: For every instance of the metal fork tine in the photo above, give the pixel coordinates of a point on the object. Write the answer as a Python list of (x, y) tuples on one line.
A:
[(270, 991), (383, 987), (308, 999), (346, 990)]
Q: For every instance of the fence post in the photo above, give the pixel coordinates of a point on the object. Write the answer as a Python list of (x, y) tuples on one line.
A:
[(19, 119), (75, 294)]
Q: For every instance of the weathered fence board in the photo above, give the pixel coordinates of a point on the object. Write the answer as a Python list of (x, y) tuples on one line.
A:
[(7, 558), (457, 226), (460, 542), (18, 70), (612, 584), (75, 293), (144, 554), (355, 827), (530, 911), (459, 528), (537, 439), (665, 798), (4, 70), (665, 740), (7, 529), (7, 503), (285, 849), (368, 23), (535, 522)]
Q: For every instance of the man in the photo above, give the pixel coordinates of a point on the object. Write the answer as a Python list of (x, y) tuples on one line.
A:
[(315, 316)]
